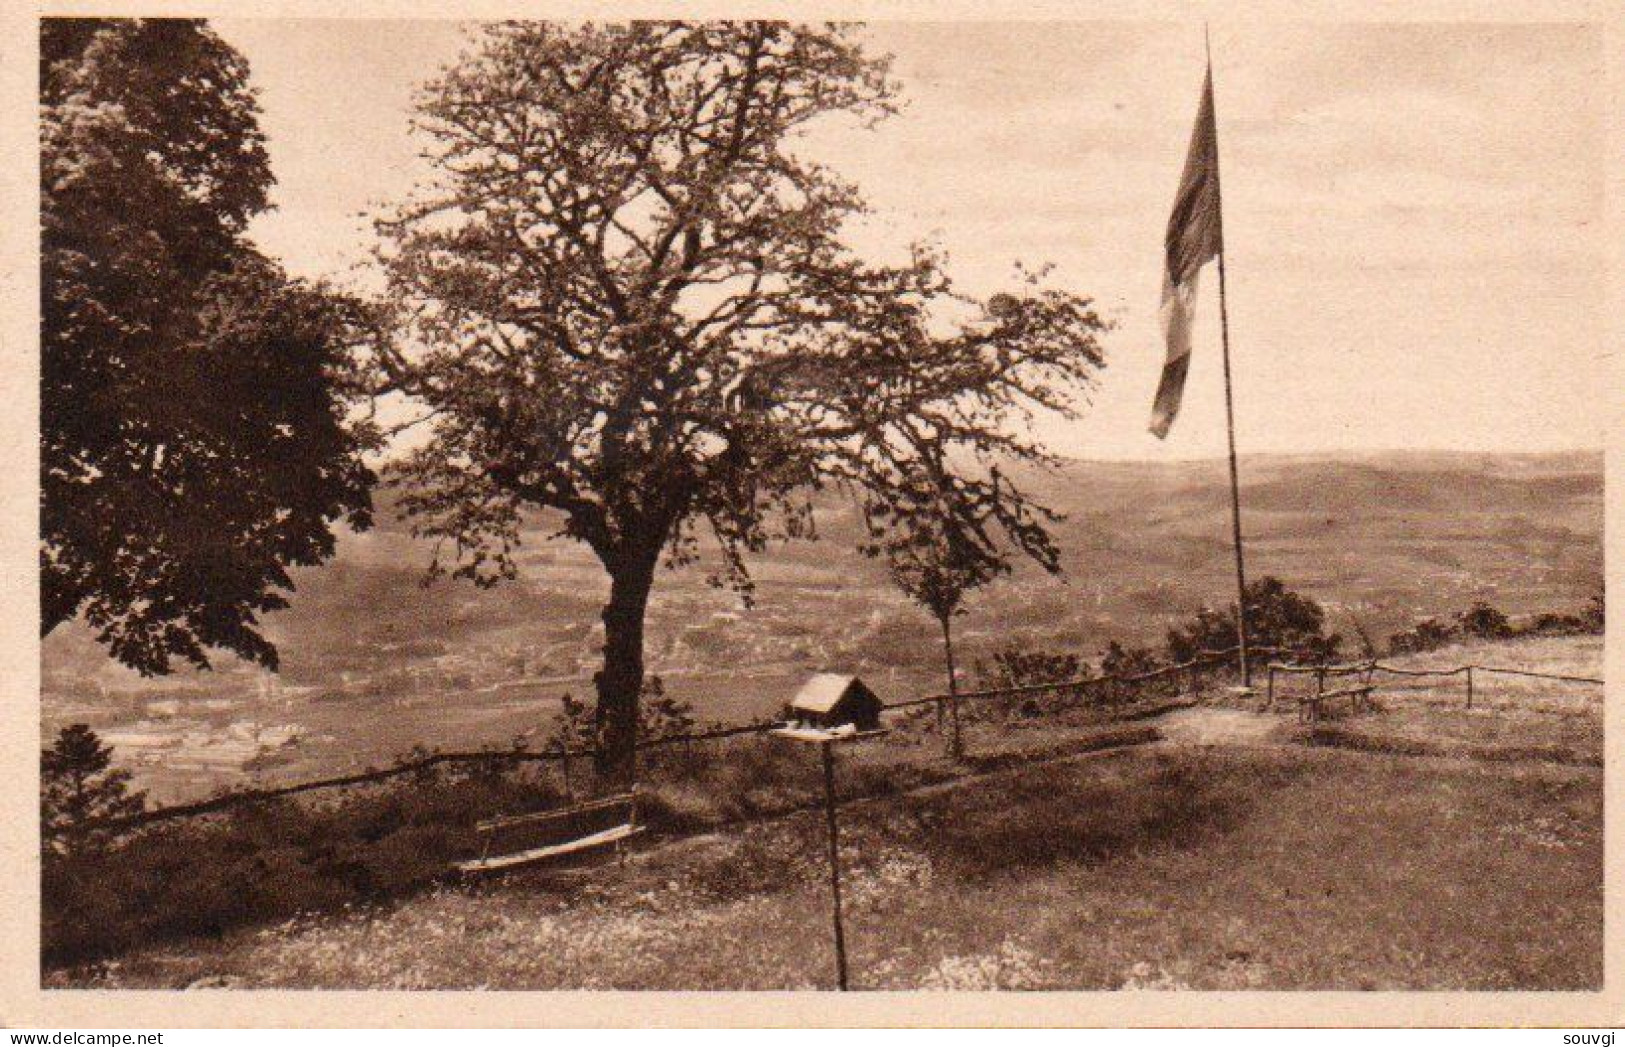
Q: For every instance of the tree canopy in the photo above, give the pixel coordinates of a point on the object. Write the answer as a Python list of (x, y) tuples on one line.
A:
[(1277, 618), (194, 428), (627, 299)]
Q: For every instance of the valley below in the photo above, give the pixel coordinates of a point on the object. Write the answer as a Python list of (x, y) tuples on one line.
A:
[(377, 661)]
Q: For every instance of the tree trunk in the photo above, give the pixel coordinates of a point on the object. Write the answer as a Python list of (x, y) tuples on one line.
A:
[(620, 681), (955, 749)]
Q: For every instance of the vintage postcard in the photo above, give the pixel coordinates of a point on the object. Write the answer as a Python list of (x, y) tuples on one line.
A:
[(1077, 515)]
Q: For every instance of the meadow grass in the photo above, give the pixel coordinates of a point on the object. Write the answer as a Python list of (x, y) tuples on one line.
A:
[(1170, 868), (1193, 865), (261, 862), (1511, 717)]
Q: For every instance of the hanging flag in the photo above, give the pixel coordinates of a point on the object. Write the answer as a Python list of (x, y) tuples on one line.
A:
[(1195, 236)]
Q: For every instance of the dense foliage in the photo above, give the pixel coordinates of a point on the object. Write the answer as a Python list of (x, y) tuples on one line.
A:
[(659, 716), (193, 424), (1277, 618), (1426, 635), (1128, 661), (1483, 621), (273, 859), (1016, 665)]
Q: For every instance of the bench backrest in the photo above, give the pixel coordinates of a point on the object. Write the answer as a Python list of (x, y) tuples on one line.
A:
[(541, 828)]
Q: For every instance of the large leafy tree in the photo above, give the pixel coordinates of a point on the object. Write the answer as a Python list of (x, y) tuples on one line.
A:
[(628, 302), (194, 401)]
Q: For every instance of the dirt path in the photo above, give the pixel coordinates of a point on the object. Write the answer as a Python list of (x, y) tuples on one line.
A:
[(1211, 725)]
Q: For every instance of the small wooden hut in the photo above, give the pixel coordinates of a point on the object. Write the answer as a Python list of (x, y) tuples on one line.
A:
[(829, 700)]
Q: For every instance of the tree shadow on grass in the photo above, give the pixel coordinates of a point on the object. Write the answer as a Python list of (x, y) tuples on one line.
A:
[(1083, 816)]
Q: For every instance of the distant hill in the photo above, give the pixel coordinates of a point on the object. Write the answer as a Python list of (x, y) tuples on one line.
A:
[(375, 661)]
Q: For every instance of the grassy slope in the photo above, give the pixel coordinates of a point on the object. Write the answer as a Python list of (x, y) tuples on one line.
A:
[(374, 663), (1180, 869), (1510, 714), (1186, 866)]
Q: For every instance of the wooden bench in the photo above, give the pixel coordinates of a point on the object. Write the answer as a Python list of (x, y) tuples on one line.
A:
[(545, 836), (1311, 706)]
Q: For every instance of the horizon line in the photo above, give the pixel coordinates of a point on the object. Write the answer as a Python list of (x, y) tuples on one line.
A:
[(1346, 452)]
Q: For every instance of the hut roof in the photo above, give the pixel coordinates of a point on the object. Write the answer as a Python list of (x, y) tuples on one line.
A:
[(824, 692)]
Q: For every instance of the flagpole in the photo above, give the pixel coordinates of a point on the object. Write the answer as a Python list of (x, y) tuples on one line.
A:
[(1235, 488), (1229, 403)]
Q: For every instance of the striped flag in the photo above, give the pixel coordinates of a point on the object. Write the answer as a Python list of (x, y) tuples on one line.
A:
[(1195, 236)]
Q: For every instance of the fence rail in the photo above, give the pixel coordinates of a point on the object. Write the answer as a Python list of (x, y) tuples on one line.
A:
[(1369, 668), (227, 801), (369, 777), (1208, 659), (1381, 667), (1538, 676), (1205, 660)]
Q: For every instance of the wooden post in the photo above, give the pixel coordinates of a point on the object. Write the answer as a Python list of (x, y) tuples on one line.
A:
[(1269, 691), (1320, 691), (632, 820), (1469, 687), (834, 863)]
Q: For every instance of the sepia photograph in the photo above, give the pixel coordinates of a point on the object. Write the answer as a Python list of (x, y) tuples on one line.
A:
[(715, 505)]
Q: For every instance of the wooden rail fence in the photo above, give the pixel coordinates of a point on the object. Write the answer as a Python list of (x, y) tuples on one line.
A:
[(216, 804), (1370, 667), (1207, 660)]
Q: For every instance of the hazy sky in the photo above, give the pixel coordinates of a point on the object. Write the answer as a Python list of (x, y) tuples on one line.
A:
[(1413, 213)]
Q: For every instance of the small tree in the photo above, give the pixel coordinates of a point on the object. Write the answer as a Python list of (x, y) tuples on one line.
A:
[(636, 310), (1483, 621), (939, 586), (1017, 665), (78, 787), (1426, 635), (933, 561), (1127, 661), (1276, 617), (1368, 644), (1020, 666), (1595, 616)]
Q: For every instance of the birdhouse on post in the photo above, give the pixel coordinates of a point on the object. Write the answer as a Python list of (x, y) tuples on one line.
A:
[(831, 700), (832, 708)]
